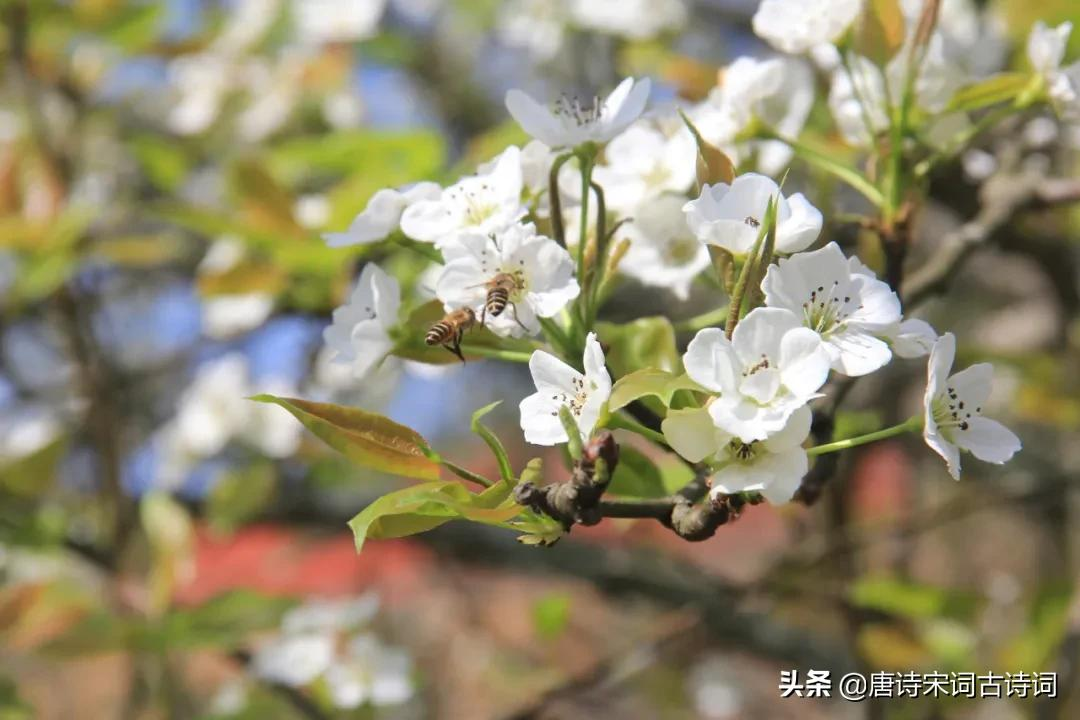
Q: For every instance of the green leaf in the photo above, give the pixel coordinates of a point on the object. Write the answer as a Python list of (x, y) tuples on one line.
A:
[(424, 507), (551, 614), (911, 600), (32, 475), (506, 472), (367, 439), (164, 161), (637, 476), (137, 27), (1047, 624), (648, 381), (644, 343), (1003, 87)]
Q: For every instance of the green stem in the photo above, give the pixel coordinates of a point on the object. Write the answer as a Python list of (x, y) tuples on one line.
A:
[(583, 231), (912, 424), (556, 337), (961, 140), (622, 422), (428, 250), (465, 473), (495, 353), (819, 159), (555, 200), (596, 273), (712, 318)]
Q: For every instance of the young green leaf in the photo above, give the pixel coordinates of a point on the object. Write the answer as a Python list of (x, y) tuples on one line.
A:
[(506, 472), (636, 476), (648, 381), (367, 439)]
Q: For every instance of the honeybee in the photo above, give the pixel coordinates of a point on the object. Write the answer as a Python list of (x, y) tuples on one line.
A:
[(499, 289), (449, 331)]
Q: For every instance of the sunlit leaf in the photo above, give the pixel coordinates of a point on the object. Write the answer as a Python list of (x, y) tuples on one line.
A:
[(643, 343), (910, 599), (1003, 87), (366, 438), (648, 381)]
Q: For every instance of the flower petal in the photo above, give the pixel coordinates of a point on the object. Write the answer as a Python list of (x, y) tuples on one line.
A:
[(801, 228), (551, 375), (973, 385), (988, 440), (804, 363), (691, 433), (711, 362), (540, 420), (534, 118)]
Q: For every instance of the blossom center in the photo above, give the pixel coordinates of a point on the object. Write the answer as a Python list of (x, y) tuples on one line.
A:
[(479, 205), (573, 110), (826, 311), (743, 452), (950, 411), (575, 402)]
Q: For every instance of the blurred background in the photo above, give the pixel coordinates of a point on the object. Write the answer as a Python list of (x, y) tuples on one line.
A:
[(171, 550)]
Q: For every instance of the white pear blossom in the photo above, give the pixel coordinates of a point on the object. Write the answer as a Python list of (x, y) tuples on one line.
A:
[(860, 100), (536, 159), (559, 385), (360, 333), (730, 216), (797, 26), (225, 316), (212, 410), (536, 25), (539, 272), (1046, 50), (382, 214), (25, 430), (911, 338), (570, 123), (321, 615), (774, 467), (953, 418), (370, 672), (841, 301), (294, 660), (322, 21), (778, 92), (644, 162), (635, 19), (663, 252), (769, 368), (487, 202)]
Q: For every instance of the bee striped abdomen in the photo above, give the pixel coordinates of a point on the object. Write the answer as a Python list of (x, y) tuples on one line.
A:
[(441, 332), (497, 300)]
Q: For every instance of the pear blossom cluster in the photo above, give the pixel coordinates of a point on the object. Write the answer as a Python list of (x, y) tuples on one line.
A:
[(331, 641), (609, 190)]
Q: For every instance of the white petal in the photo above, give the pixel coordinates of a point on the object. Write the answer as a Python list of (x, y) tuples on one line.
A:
[(973, 385), (551, 375), (804, 363), (633, 105), (913, 338), (855, 352), (540, 420), (377, 220), (534, 118), (988, 440), (430, 220), (691, 433), (939, 365), (711, 362), (786, 471), (761, 386), (949, 452), (801, 228), (759, 334), (595, 370), (794, 432)]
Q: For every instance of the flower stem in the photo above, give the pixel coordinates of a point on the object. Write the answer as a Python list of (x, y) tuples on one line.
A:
[(622, 422), (712, 318), (555, 201), (912, 424), (465, 473), (495, 353), (426, 249), (585, 161), (819, 159)]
